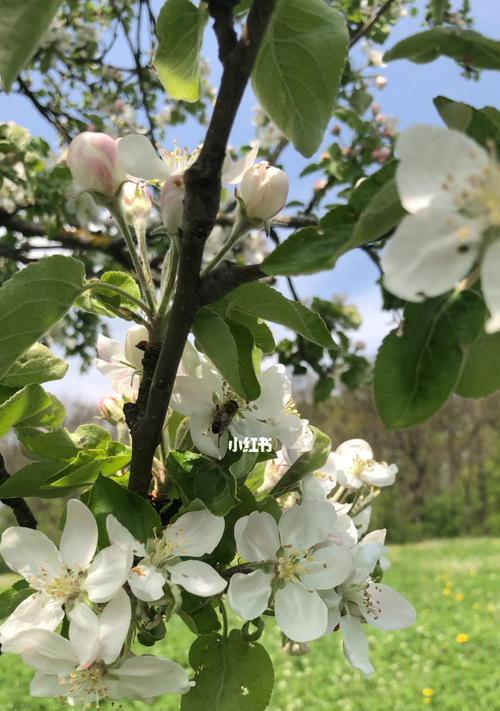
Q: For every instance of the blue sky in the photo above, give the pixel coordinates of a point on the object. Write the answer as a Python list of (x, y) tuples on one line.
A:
[(407, 96)]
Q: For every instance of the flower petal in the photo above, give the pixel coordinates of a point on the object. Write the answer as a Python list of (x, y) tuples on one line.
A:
[(490, 269), (84, 634), (138, 157), (197, 578), (307, 525), (232, 171), (300, 613), (108, 573), (432, 158), (356, 644), (148, 676), (109, 350), (134, 355), (276, 390), (331, 565), (114, 623), (194, 533), (429, 253), (380, 474), (200, 427), (248, 595), (119, 535), (146, 582), (45, 651), (46, 685), (31, 554), (37, 611), (387, 609), (257, 537), (79, 537)]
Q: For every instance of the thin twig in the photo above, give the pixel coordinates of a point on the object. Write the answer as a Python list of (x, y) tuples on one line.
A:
[(20, 508), (365, 29)]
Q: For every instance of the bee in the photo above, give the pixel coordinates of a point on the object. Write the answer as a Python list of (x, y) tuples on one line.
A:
[(223, 417)]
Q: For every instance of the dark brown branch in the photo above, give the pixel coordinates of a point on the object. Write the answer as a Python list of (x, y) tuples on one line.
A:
[(44, 110), (222, 13), (365, 29), (201, 204), (291, 222), (224, 279), (21, 510)]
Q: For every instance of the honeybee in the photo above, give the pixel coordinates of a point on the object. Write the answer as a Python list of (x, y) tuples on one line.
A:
[(223, 417)]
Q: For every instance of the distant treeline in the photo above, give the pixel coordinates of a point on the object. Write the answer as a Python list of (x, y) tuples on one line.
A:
[(449, 468)]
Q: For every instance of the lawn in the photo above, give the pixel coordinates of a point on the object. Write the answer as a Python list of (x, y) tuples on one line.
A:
[(446, 662)]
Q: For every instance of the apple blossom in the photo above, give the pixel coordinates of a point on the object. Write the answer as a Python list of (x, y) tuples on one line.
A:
[(450, 186), (172, 203), (93, 161), (356, 466), (296, 558), (201, 391), (193, 534), (359, 599), (89, 667), (121, 363), (61, 577), (263, 191)]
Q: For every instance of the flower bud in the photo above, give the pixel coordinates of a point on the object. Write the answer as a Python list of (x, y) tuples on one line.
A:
[(172, 203), (382, 155), (136, 202), (93, 162), (264, 191), (111, 409), (296, 649)]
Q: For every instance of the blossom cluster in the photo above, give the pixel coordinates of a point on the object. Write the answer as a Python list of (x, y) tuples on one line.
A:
[(313, 568)]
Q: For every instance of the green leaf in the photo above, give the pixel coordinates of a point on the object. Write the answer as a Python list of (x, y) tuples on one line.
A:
[(307, 463), (21, 30), (131, 510), (32, 301), (482, 125), (382, 214), (465, 46), (480, 375), (310, 250), (416, 370), (21, 405), (109, 303), (37, 365), (265, 302), (199, 478), (91, 437), (57, 445), (30, 479), (13, 597), (229, 347), (198, 614), (299, 67), (180, 32), (230, 673)]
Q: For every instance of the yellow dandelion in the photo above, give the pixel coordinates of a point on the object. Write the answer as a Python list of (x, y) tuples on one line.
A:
[(449, 583), (462, 638), (427, 700), (446, 591), (428, 692), (459, 597)]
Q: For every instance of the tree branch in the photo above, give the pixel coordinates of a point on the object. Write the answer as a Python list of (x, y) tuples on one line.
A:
[(21, 510), (224, 279), (365, 29), (201, 204)]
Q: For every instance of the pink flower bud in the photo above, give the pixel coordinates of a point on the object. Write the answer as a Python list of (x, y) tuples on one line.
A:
[(381, 81), (93, 162), (264, 191), (172, 203), (382, 154)]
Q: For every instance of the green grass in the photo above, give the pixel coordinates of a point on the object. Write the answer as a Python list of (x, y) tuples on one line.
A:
[(454, 586)]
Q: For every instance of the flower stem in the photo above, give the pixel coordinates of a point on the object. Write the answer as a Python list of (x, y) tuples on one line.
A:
[(168, 277), (127, 235), (240, 227)]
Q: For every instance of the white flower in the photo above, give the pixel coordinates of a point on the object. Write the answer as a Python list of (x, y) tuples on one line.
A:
[(359, 599), (356, 466), (264, 191), (193, 534), (318, 489), (203, 395), (451, 187), (61, 577), (122, 363), (139, 158), (86, 668), (301, 559), (93, 161)]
